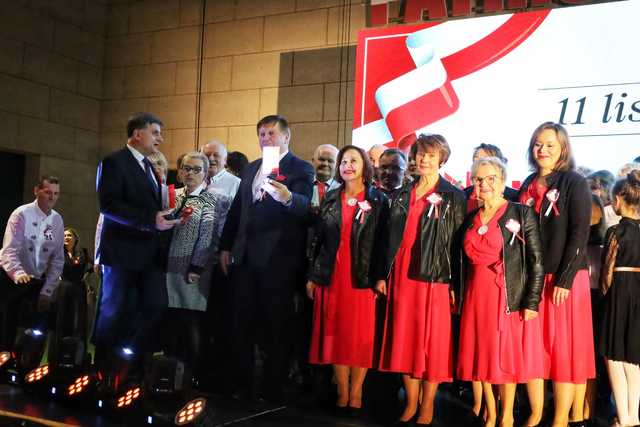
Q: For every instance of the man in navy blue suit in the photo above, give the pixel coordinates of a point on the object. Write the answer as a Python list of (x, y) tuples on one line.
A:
[(263, 251), (131, 252)]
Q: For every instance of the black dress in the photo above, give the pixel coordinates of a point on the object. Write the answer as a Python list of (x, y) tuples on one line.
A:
[(620, 333)]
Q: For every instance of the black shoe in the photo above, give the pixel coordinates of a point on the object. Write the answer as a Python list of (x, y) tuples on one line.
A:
[(341, 411), (400, 423), (354, 412)]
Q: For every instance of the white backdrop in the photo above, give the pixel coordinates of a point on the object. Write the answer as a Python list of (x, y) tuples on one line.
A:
[(585, 55)]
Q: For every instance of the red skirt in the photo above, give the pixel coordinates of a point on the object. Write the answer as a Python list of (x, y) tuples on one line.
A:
[(417, 333), (568, 355), (491, 340), (343, 328)]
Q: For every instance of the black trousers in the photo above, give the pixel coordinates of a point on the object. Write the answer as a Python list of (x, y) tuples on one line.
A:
[(130, 308), (262, 304), (17, 306)]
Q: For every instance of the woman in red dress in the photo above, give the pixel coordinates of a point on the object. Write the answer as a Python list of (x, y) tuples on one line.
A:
[(503, 278), (562, 200), (343, 273), (419, 265)]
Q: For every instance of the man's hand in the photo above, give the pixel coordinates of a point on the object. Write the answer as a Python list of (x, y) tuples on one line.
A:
[(527, 314), (163, 224), (23, 279), (381, 287), (278, 191), (44, 302), (225, 261)]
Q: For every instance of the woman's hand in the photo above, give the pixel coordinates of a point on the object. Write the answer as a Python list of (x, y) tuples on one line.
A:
[(452, 298), (381, 287), (311, 289), (560, 295), (193, 277), (527, 314)]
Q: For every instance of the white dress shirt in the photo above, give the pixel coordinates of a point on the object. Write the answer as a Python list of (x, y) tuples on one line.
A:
[(259, 179), (330, 185), (34, 244), (225, 183), (140, 158)]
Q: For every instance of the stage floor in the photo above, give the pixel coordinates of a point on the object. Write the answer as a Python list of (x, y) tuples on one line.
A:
[(18, 408)]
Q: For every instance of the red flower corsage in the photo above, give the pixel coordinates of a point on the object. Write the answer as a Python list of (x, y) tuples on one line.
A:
[(185, 214)]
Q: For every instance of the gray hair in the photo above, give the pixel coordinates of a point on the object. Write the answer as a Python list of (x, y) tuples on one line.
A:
[(627, 168), (197, 156), (496, 162), (334, 150), (215, 141)]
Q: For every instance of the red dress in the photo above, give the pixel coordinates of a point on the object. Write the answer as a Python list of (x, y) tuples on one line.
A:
[(417, 332), (343, 316), (568, 355), (491, 338)]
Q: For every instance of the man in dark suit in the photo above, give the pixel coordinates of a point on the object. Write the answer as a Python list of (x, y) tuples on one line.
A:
[(263, 250), (133, 289)]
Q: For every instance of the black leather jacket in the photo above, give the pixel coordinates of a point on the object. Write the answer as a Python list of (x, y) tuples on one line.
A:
[(565, 236), (438, 256), (523, 268), (326, 239)]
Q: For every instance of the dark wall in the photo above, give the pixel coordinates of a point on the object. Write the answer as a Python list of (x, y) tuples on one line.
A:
[(11, 185)]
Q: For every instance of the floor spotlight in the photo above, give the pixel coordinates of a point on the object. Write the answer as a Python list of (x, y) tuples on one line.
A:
[(37, 374), (168, 376), (28, 354), (5, 356), (128, 398), (196, 413)]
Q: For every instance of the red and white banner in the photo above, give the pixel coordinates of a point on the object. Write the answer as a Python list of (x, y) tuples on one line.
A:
[(466, 78)]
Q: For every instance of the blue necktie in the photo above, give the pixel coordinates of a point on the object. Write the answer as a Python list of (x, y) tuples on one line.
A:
[(149, 170)]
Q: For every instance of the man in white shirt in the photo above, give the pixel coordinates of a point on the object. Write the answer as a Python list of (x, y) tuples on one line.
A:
[(324, 163), (220, 180), (32, 256)]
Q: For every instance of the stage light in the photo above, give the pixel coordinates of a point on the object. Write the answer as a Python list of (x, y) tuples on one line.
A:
[(190, 412), (168, 376), (37, 374), (28, 353), (5, 356), (80, 384), (127, 351), (128, 398)]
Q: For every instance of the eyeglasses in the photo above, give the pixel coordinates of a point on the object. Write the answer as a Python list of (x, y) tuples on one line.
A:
[(489, 179), (196, 169)]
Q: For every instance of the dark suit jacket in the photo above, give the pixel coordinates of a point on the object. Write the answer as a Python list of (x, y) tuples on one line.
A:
[(129, 239), (258, 232)]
